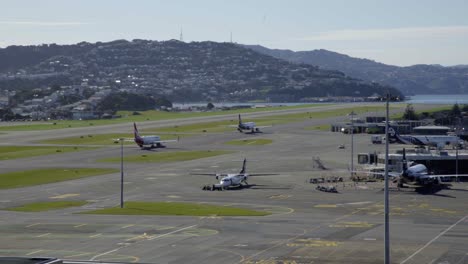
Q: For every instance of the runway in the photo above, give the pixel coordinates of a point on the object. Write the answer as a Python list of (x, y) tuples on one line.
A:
[(306, 225)]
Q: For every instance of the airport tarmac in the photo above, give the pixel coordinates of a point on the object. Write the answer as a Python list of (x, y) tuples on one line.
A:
[(306, 225)]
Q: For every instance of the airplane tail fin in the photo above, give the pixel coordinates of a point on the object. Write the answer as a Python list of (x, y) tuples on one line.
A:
[(392, 134), (243, 166), (135, 131), (405, 164)]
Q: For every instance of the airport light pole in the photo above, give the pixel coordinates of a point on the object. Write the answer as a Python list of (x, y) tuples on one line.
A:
[(352, 114), (121, 172), (386, 205)]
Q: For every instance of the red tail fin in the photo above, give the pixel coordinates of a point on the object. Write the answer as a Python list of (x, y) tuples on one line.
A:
[(135, 131)]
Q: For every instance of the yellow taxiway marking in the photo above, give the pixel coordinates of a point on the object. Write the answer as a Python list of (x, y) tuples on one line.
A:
[(43, 235), (96, 235), (352, 224), (34, 252), (312, 243), (280, 196), (76, 255), (143, 236), (325, 206), (79, 225), (31, 225), (127, 226), (63, 196)]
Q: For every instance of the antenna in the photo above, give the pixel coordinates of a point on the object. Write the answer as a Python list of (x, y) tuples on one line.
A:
[(181, 38)]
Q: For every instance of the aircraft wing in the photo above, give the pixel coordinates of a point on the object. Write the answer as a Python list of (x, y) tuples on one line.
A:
[(164, 141), (124, 139), (391, 174), (210, 174), (262, 174), (262, 126), (435, 176)]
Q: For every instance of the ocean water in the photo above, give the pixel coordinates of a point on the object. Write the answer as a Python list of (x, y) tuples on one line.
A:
[(438, 99)]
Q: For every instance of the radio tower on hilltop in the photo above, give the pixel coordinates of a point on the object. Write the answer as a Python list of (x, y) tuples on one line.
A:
[(181, 38)]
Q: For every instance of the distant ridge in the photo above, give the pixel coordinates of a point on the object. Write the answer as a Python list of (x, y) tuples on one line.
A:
[(416, 79), (180, 71)]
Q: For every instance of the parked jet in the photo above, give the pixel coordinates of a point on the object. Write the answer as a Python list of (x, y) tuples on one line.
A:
[(418, 175), (250, 126), (152, 141), (421, 140), (228, 180)]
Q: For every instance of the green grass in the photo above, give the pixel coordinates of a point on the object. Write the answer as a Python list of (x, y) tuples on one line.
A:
[(168, 156), (20, 179), (16, 152), (127, 116), (252, 142), (223, 126), (210, 127), (98, 139), (170, 208), (46, 206)]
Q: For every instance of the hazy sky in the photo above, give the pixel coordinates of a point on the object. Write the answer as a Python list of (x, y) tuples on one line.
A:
[(399, 32)]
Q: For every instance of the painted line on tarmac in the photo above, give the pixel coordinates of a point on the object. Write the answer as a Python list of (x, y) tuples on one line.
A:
[(170, 233), (128, 244), (43, 235), (31, 225), (434, 239), (63, 196), (80, 225), (130, 225), (96, 235), (34, 252)]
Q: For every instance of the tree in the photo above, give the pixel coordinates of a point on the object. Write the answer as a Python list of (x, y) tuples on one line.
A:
[(455, 111), (410, 114), (163, 101), (454, 114), (126, 101), (210, 106)]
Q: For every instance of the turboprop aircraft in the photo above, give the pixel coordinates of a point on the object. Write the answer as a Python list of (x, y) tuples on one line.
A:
[(229, 180), (418, 175)]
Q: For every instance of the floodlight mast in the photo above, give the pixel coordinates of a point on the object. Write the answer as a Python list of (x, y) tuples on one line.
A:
[(121, 173), (386, 209)]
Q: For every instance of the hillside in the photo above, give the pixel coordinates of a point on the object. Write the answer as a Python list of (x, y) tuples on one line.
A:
[(416, 79), (180, 71)]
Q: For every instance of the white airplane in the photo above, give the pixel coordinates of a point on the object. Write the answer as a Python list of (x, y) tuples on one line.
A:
[(421, 140), (418, 175), (250, 126), (228, 180), (152, 141)]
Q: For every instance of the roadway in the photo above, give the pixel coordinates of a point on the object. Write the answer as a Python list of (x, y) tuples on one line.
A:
[(306, 226)]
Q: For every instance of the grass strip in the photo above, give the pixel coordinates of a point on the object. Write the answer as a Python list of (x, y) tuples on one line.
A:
[(46, 206), (99, 139), (176, 208), (168, 156), (16, 152), (129, 116), (26, 178)]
